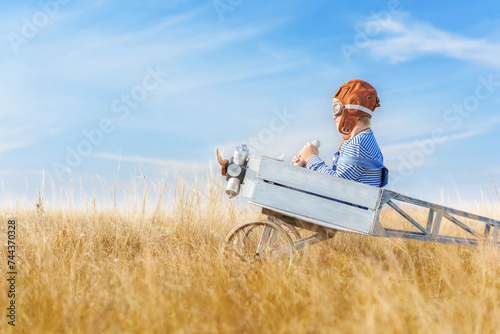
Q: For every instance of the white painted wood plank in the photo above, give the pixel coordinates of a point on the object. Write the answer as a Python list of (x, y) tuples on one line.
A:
[(460, 213), (250, 176), (494, 236), (378, 229), (424, 237), (309, 206), (319, 183), (308, 219), (437, 223)]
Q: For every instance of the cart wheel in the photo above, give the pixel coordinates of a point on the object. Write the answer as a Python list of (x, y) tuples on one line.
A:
[(291, 230), (257, 241)]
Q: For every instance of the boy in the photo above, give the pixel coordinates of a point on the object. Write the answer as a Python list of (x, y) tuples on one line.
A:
[(359, 157)]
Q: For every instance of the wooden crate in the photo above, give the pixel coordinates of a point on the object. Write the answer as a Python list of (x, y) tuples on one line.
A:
[(312, 196)]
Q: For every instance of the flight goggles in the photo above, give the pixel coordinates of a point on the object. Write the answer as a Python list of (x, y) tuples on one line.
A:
[(338, 108)]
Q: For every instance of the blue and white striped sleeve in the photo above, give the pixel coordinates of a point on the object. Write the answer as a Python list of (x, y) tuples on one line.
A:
[(349, 172), (363, 146), (344, 171), (315, 163)]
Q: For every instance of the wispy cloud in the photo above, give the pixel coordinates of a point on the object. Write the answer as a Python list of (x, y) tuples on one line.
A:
[(11, 172), (16, 137), (87, 69), (99, 56), (176, 165), (405, 38), (423, 147), (399, 149)]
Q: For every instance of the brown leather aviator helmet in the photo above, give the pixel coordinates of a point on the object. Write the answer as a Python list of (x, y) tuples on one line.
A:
[(354, 99)]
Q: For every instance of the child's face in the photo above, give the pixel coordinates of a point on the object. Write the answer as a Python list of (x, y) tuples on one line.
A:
[(337, 120)]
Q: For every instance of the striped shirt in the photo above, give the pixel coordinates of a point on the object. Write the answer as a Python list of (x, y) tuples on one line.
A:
[(362, 145)]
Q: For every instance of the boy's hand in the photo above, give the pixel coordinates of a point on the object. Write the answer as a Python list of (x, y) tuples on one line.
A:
[(296, 159), (308, 151)]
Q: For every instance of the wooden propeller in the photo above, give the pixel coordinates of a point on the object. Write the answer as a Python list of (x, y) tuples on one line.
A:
[(222, 162)]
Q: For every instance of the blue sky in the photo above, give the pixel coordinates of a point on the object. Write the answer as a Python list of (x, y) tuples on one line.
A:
[(154, 87)]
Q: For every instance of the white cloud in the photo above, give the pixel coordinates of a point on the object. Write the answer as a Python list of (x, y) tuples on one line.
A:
[(404, 38), (405, 147), (200, 80), (12, 137), (424, 147), (11, 172), (89, 68), (177, 165)]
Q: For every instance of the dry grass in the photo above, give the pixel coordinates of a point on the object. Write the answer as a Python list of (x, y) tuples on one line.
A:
[(161, 271)]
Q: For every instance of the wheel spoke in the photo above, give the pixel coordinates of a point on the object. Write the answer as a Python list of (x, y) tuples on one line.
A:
[(281, 250), (264, 240), (260, 241)]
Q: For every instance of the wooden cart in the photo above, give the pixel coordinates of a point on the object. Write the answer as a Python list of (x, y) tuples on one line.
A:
[(295, 198)]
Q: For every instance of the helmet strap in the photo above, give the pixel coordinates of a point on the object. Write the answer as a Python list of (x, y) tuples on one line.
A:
[(347, 127)]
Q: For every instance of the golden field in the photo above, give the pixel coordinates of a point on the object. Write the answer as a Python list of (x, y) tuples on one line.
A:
[(145, 268)]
